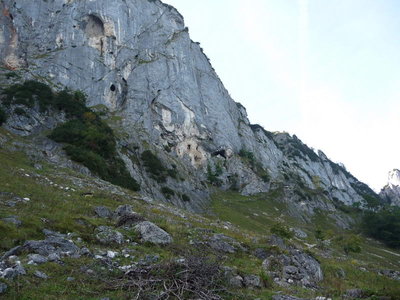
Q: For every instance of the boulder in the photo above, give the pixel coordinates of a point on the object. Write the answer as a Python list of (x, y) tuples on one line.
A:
[(225, 244), (107, 235), (123, 210), (252, 281), (52, 244), (103, 212), (14, 271), (296, 268), (150, 232), (38, 259), (260, 253), (354, 294), (236, 281), (41, 275)]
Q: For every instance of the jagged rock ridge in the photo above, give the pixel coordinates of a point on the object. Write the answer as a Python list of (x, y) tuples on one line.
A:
[(390, 193), (136, 58)]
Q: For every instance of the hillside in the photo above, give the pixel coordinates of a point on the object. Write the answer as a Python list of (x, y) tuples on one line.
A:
[(128, 172)]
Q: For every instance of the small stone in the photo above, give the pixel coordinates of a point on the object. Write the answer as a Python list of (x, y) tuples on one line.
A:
[(12, 220), (85, 251), (37, 258), (41, 275), (354, 294), (111, 254), (103, 212), (252, 281), (123, 210), (236, 281), (260, 253), (108, 235), (9, 273), (70, 278), (53, 257)]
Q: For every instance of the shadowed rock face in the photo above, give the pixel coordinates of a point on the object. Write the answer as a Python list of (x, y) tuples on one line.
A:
[(136, 58)]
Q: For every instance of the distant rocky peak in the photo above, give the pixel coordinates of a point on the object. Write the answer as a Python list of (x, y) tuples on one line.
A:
[(394, 178)]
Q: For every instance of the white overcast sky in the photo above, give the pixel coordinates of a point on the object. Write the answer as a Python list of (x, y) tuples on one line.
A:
[(327, 71)]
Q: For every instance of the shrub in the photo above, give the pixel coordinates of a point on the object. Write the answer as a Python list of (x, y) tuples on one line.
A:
[(20, 111), (247, 155), (31, 92), (185, 198), (319, 234), (28, 93), (212, 176), (281, 230), (73, 104), (351, 243), (156, 168), (384, 226), (168, 193), (3, 116)]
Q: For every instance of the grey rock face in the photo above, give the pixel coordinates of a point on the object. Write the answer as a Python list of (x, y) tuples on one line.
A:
[(136, 58), (150, 232), (106, 235)]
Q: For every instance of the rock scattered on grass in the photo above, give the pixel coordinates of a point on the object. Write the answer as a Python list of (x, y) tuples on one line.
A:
[(150, 232), (106, 235)]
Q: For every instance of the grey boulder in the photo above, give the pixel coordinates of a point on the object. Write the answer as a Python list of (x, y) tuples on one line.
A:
[(41, 275), (52, 244), (296, 267), (106, 235), (37, 258), (150, 232), (103, 212), (252, 281)]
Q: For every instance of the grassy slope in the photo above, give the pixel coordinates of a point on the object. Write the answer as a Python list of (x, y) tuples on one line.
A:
[(259, 213), (71, 211)]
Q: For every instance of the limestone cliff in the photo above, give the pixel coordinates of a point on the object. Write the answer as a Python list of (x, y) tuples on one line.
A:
[(136, 58), (391, 191)]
